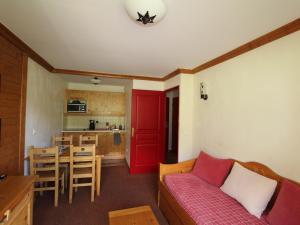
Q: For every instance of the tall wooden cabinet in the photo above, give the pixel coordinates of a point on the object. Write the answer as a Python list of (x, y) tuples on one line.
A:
[(13, 76)]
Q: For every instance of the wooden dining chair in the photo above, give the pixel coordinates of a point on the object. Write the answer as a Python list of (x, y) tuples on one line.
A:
[(82, 168), (88, 139), (62, 141), (44, 165)]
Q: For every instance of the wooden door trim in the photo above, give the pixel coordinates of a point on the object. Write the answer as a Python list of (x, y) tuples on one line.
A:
[(260, 41), (105, 74)]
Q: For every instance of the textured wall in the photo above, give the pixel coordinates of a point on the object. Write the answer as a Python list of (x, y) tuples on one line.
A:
[(44, 109), (148, 85), (253, 107)]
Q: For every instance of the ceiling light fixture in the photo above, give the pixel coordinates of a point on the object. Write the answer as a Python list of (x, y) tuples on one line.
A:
[(96, 80), (146, 11)]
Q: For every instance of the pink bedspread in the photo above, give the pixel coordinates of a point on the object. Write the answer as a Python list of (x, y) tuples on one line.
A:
[(207, 204)]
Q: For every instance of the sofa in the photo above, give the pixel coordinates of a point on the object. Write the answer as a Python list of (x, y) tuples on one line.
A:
[(186, 199)]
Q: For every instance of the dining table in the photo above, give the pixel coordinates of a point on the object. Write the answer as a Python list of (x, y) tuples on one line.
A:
[(64, 158)]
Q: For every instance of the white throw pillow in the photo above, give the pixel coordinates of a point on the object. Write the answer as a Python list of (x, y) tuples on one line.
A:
[(252, 190)]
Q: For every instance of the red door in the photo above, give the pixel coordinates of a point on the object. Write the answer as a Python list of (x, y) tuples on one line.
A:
[(147, 135)]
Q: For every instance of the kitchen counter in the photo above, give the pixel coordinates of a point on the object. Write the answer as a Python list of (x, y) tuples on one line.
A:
[(106, 142), (92, 131)]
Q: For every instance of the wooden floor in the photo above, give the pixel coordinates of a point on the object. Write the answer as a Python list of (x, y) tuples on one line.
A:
[(142, 215), (119, 190)]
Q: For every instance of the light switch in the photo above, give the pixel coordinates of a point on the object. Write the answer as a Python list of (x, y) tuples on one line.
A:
[(33, 132)]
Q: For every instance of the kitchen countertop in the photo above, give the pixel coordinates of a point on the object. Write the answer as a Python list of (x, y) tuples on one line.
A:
[(92, 131)]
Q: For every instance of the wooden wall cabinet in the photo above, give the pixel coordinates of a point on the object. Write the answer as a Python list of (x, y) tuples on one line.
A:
[(99, 103), (13, 79)]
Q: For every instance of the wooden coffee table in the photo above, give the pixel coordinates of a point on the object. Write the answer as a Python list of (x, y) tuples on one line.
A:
[(134, 216)]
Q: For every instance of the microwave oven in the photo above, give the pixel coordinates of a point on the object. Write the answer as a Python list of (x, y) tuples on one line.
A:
[(76, 107)]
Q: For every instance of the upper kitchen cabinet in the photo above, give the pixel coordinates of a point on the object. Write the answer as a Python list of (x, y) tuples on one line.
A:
[(98, 103)]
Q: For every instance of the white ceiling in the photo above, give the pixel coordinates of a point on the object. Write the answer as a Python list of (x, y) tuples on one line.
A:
[(97, 35)]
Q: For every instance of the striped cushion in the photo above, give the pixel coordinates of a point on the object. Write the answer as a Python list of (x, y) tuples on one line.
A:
[(207, 204)]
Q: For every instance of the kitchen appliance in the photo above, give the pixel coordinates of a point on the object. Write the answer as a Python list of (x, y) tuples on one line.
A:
[(92, 125), (76, 106)]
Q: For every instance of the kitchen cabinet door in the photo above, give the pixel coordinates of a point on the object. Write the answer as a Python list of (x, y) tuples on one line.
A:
[(116, 103), (99, 103), (102, 143)]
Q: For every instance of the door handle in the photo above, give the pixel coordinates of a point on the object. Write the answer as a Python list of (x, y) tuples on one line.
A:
[(132, 132)]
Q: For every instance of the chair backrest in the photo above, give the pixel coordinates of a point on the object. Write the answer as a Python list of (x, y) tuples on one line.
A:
[(82, 154), (43, 160), (62, 141), (88, 139)]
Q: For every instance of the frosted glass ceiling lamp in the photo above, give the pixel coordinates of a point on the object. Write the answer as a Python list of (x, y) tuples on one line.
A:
[(146, 11)]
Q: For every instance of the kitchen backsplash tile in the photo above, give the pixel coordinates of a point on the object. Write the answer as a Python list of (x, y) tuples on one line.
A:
[(82, 122)]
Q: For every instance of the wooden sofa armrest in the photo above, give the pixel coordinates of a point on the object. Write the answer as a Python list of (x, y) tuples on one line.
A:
[(182, 167)]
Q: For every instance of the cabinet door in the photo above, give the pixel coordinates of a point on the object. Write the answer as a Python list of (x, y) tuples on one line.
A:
[(102, 143), (97, 103), (116, 103), (113, 148), (22, 213), (22, 218)]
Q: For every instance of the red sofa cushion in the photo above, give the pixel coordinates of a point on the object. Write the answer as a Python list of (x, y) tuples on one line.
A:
[(211, 169), (287, 206)]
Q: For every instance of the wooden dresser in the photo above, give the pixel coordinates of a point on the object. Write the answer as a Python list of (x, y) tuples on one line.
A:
[(16, 200)]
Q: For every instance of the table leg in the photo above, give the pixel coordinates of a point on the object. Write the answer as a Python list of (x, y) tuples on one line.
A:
[(98, 175)]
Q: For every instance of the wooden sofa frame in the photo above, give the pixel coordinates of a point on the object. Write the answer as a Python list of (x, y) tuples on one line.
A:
[(171, 209)]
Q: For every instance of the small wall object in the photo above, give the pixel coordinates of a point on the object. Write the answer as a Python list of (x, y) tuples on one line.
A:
[(203, 91)]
